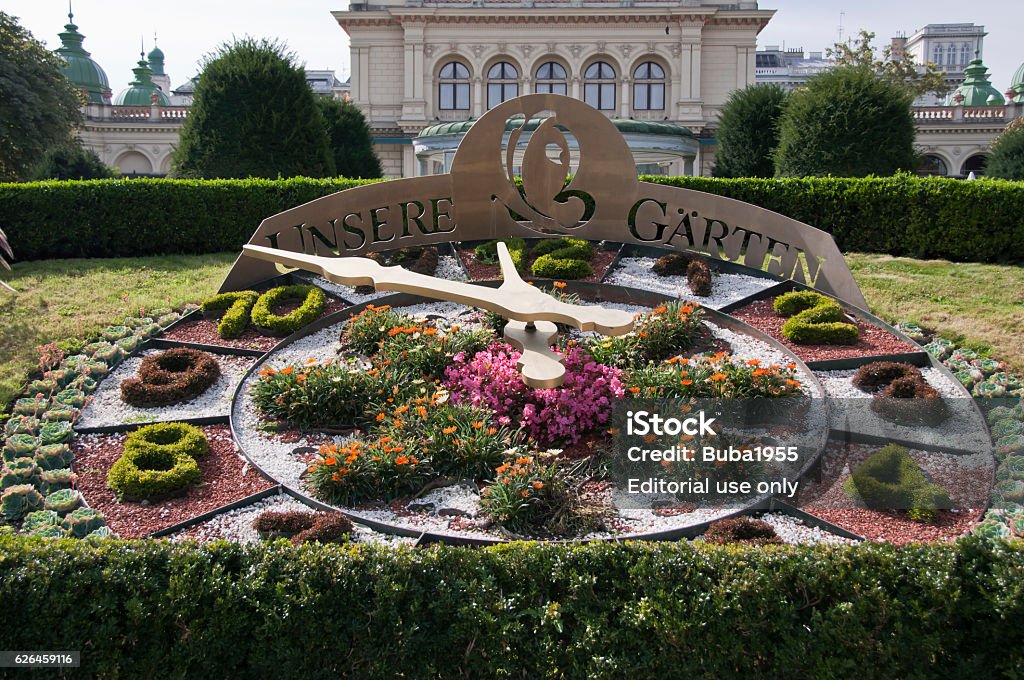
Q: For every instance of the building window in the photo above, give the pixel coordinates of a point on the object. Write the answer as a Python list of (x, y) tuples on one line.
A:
[(965, 53), (551, 79), (937, 55), (599, 86), (502, 83), (951, 54), (453, 87), (649, 87)]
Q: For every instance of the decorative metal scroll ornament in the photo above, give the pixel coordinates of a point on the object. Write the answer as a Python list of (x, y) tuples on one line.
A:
[(600, 200), (532, 313)]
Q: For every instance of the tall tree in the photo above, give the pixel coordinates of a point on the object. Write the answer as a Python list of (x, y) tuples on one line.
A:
[(253, 116), (1007, 158), (39, 107), (847, 122), (748, 132), (897, 69), (350, 140)]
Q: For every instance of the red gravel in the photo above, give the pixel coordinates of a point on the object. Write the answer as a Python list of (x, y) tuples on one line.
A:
[(205, 332), (873, 340), (223, 481), (479, 271), (828, 500)]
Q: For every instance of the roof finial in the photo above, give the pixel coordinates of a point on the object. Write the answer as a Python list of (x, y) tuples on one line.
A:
[(154, 38), (142, 47), (71, 15)]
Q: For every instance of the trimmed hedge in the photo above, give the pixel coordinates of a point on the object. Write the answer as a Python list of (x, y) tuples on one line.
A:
[(313, 302), (900, 215), (170, 377), (160, 609), (814, 319)]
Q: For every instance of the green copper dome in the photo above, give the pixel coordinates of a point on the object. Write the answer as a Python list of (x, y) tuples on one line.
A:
[(623, 125), (140, 91), (1017, 83), (81, 69), (976, 89), (156, 61)]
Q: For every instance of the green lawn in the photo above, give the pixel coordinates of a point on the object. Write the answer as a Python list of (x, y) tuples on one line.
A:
[(72, 298)]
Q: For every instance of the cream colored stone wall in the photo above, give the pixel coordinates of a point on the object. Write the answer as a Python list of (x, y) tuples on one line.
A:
[(705, 51)]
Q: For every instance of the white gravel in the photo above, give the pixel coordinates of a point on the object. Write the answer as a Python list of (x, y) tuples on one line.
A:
[(236, 525), (793, 531), (447, 268), (851, 406), (636, 272), (106, 407)]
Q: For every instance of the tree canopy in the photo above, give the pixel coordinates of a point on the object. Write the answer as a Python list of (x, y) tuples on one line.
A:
[(899, 70), (1007, 158), (350, 140), (253, 115), (847, 122), (748, 132), (39, 107), (72, 161)]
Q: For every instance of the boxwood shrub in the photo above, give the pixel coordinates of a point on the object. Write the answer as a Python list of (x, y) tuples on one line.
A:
[(643, 610), (814, 319), (313, 302), (901, 215)]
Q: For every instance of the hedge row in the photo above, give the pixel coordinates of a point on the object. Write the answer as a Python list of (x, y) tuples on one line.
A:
[(902, 215), (157, 609)]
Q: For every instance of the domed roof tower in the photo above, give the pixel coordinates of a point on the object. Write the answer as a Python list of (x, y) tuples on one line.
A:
[(141, 91), (976, 90), (81, 70), (1017, 83)]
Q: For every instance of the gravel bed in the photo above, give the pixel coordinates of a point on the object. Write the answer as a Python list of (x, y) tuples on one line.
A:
[(636, 272), (873, 339), (106, 407), (205, 331), (236, 525), (967, 479), (963, 429), (226, 478), (480, 271), (793, 531), (447, 268)]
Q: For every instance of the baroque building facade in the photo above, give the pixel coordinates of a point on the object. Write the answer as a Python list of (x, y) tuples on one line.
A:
[(423, 70)]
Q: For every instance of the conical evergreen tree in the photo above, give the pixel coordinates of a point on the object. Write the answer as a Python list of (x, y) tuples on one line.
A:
[(350, 140), (748, 132)]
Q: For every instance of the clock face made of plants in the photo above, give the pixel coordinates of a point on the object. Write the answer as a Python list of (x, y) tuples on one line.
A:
[(456, 374)]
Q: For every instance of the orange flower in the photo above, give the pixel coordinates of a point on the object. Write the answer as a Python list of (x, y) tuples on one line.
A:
[(301, 377), (659, 310), (793, 383), (686, 382), (538, 485), (310, 361), (649, 438), (754, 362), (449, 430), (719, 377), (526, 493), (287, 371), (502, 468), (492, 430), (684, 361), (634, 390), (401, 409), (429, 331), (791, 367), (330, 461), (559, 284), (477, 424), (524, 460), (380, 417), (761, 371), (421, 411), (687, 309), (401, 460)]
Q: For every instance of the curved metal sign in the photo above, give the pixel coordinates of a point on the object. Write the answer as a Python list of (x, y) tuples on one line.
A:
[(603, 200)]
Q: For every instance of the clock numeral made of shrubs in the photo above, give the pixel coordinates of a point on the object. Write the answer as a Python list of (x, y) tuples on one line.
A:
[(532, 313)]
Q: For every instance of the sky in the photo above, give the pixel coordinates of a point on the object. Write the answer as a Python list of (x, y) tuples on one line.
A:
[(187, 30)]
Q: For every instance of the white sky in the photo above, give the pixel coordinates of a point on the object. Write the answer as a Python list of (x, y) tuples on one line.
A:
[(189, 29)]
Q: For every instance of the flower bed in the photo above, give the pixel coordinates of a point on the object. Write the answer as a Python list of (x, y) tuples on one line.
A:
[(872, 340), (226, 477), (479, 270), (638, 272)]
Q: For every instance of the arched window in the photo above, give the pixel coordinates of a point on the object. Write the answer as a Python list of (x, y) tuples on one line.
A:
[(599, 86), (937, 55), (453, 87), (965, 53), (551, 79), (649, 87), (502, 83)]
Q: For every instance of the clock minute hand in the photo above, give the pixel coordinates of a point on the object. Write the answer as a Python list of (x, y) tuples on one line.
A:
[(514, 299)]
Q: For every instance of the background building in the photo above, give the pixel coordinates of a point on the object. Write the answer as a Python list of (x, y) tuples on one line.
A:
[(788, 68), (418, 65)]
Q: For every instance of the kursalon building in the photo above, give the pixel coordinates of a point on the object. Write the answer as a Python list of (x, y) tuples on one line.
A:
[(424, 70)]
